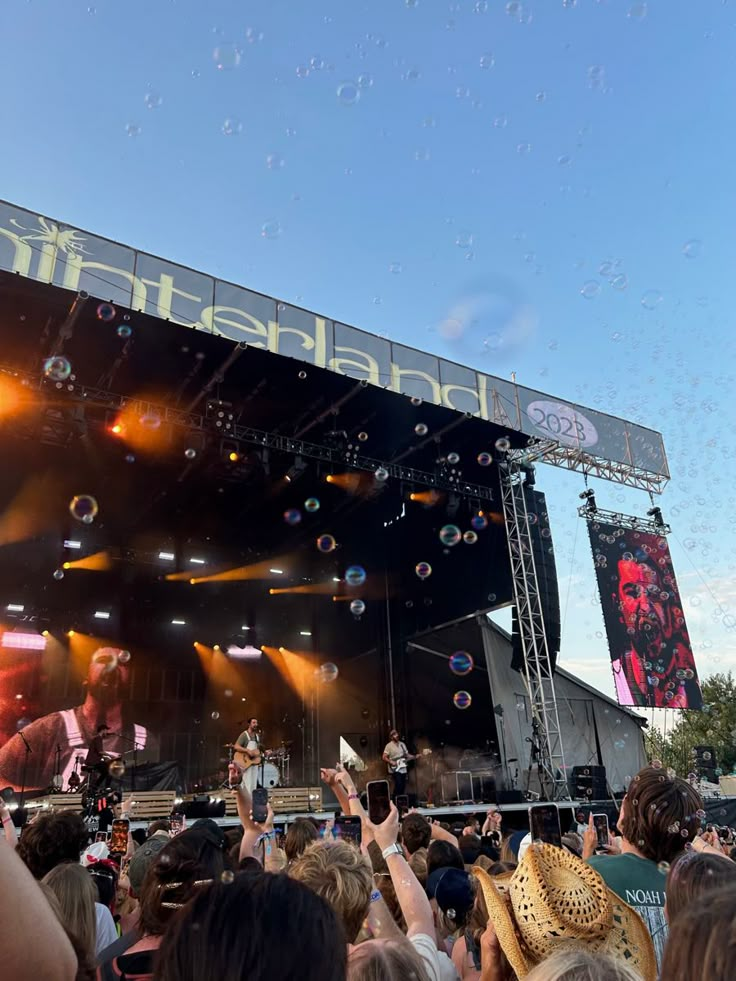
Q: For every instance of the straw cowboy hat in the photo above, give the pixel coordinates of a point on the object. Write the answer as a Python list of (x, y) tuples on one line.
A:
[(555, 899)]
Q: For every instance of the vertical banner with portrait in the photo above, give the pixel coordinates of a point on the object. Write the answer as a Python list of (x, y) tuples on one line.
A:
[(651, 656)]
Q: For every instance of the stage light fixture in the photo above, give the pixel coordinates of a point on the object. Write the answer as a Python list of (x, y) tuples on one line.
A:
[(243, 627), (166, 556), (194, 561), (44, 633), (305, 633), (71, 544), (656, 514), (15, 608), (233, 457), (20, 641), (589, 497), (179, 623), (295, 470), (277, 572), (71, 633), (102, 615), (216, 647)]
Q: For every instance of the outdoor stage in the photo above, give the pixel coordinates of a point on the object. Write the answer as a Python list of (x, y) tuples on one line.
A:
[(291, 512)]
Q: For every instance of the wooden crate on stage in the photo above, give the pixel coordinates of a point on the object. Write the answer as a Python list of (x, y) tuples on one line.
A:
[(284, 800), (57, 802), (151, 804)]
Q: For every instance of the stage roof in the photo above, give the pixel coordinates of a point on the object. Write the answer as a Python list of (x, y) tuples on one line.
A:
[(568, 435)]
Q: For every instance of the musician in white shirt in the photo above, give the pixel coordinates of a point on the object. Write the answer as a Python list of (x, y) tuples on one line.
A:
[(395, 755)]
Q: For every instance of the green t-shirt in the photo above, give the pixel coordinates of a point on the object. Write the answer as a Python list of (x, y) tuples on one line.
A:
[(640, 883)]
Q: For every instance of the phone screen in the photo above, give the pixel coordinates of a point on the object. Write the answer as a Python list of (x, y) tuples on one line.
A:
[(279, 831), (600, 823), (260, 805), (103, 836), (402, 802), (119, 836), (544, 824), (177, 824), (348, 827), (379, 800)]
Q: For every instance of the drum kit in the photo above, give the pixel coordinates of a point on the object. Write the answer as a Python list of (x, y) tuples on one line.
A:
[(275, 769)]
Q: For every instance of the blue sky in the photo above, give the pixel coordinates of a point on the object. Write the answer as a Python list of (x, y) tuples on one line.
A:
[(560, 160)]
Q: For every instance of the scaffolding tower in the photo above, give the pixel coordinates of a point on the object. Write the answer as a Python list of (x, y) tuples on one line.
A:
[(546, 738)]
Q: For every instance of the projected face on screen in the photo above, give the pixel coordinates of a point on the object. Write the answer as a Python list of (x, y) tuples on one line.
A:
[(651, 656)]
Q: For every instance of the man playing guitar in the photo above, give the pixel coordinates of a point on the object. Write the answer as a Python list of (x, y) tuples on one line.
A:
[(396, 755), (248, 753)]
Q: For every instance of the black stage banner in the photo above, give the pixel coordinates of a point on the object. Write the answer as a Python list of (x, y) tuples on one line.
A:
[(651, 656)]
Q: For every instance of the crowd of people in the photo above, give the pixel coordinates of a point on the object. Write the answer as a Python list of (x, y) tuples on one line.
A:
[(412, 901)]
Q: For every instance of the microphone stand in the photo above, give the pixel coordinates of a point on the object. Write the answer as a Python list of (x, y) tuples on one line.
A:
[(24, 775), (136, 747)]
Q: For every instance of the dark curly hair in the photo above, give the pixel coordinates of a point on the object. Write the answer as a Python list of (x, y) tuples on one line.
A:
[(51, 840), (184, 866)]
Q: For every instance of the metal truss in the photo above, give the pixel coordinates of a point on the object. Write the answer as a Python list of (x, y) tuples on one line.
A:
[(545, 450), (537, 669), (619, 520), (218, 421)]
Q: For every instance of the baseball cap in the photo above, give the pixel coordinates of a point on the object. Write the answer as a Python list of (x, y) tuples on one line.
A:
[(143, 858), (452, 890)]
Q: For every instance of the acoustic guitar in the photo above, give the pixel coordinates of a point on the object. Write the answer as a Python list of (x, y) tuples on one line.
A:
[(242, 758)]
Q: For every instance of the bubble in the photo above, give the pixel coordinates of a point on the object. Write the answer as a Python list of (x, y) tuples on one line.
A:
[(651, 299), (228, 693), (58, 574), (226, 57), (656, 764), (461, 663), (124, 331), (355, 575), (57, 368), (132, 129), (150, 420), (227, 878), (83, 507), (365, 81), (124, 657), (302, 375), (215, 715), (362, 437), (462, 700), (480, 7), (311, 504), (130, 458), (692, 249), (348, 93), (619, 282), (470, 537), (479, 522), (293, 516), (464, 240), (663, 867), (591, 289), (152, 100), (395, 268), (453, 458), (357, 607), (619, 744), (271, 229), (706, 756), (328, 672), (484, 459), (190, 453), (423, 570), (501, 122), (326, 543), (524, 148), (487, 60), (381, 475), (637, 11), (450, 535), (596, 76), (421, 429), (416, 401), (232, 126), (503, 444), (275, 161), (106, 312)]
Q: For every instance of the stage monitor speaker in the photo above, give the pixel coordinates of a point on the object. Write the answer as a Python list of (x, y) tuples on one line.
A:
[(509, 797), (589, 783), (549, 595)]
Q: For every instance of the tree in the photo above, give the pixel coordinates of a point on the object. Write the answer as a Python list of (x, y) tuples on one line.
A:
[(714, 726)]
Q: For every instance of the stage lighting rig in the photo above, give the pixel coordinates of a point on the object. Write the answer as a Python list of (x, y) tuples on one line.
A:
[(655, 514), (589, 497)]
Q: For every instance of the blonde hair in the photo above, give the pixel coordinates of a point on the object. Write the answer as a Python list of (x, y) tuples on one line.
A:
[(338, 873), (385, 960), (418, 865), (86, 970), (77, 894), (574, 964)]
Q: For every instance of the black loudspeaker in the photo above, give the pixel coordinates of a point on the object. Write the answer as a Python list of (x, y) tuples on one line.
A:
[(589, 783), (509, 797), (549, 594), (705, 762)]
